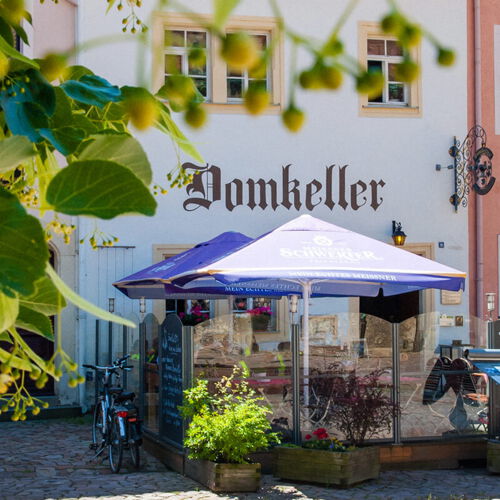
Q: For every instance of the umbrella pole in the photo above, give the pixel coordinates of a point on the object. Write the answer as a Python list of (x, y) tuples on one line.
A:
[(306, 294)]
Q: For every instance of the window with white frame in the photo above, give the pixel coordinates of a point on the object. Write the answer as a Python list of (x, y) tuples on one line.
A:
[(178, 46), (379, 52), (175, 36), (262, 307), (238, 81), (384, 55)]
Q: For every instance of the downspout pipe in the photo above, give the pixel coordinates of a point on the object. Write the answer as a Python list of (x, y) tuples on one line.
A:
[(479, 199)]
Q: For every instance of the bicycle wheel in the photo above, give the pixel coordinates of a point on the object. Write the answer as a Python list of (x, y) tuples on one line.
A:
[(135, 454), (115, 446), (98, 425)]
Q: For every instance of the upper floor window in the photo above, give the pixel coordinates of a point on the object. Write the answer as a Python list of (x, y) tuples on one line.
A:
[(238, 81), (378, 52), (178, 46), (175, 36), (384, 56)]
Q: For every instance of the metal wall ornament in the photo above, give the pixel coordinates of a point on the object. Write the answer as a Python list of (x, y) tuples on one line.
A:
[(472, 166)]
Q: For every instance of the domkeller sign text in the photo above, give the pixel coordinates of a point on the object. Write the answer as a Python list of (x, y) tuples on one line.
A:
[(334, 189)]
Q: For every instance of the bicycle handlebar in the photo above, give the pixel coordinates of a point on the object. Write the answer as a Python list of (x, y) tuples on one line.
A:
[(117, 363)]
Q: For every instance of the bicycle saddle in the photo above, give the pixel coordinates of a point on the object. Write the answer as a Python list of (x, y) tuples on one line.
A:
[(125, 396)]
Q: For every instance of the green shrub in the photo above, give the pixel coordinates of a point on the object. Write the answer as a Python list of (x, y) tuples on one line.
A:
[(227, 424)]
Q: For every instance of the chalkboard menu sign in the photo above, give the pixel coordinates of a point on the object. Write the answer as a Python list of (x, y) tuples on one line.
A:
[(171, 424)]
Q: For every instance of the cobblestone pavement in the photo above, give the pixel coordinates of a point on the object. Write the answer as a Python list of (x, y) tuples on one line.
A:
[(51, 459)]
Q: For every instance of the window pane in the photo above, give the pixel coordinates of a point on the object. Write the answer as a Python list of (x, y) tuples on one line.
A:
[(201, 85), (376, 47), (261, 41), (234, 72), (173, 63), (396, 92), (392, 72), (197, 69), (393, 49), (260, 83), (234, 88), (196, 39), (375, 66), (240, 304), (174, 38)]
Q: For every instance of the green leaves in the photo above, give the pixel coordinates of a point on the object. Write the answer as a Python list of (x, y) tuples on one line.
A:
[(84, 304), (20, 62), (35, 322), (46, 299), (9, 308), (122, 149), (166, 124), (222, 11), (92, 90), (13, 151), (103, 189), (23, 249)]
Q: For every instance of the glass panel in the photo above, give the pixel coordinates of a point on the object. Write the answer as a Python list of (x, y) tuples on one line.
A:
[(347, 359), (376, 66), (396, 92), (240, 304), (234, 88), (151, 374), (261, 41), (221, 343), (196, 69), (174, 38), (393, 49), (262, 83), (196, 39), (376, 47), (392, 72), (234, 72), (173, 63), (201, 85), (442, 394)]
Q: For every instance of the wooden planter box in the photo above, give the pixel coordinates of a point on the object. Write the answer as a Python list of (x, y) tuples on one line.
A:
[(342, 469), (493, 457), (224, 477)]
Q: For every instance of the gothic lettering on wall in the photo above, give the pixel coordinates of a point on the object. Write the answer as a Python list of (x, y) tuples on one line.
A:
[(335, 189)]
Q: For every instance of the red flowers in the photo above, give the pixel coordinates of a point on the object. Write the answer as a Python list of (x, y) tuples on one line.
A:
[(321, 433), (308, 436)]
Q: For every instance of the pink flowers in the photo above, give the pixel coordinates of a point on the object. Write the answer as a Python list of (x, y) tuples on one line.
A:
[(256, 311), (194, 317)]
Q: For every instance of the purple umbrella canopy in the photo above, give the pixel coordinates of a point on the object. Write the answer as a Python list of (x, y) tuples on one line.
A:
[(153, 281), (329, 260)]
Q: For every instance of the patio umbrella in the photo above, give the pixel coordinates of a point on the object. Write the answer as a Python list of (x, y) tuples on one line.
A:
[(335, 261), (153, 281)]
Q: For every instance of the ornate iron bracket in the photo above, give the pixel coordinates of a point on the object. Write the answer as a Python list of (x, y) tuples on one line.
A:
[(472, 166)]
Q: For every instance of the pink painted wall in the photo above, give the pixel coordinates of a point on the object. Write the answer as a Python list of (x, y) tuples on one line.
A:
[(54, 27), (490, 16)]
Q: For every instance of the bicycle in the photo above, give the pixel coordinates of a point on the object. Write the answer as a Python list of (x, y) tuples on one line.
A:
[(116, 424)]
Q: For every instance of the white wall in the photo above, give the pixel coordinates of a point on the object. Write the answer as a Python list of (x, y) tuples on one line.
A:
[(401, 151)]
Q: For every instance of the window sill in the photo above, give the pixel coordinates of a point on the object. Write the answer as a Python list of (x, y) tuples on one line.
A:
[(386, 110), (237, 108)]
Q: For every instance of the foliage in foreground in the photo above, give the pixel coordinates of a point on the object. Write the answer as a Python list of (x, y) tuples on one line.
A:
[(226, 424), (65, 150)]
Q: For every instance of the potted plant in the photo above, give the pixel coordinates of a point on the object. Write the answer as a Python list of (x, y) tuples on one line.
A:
[(194, 317), (359, 408), (226, 424), (260, 317)]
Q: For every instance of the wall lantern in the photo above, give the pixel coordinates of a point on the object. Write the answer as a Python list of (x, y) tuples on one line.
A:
[(398, 236), (111, 305), (293, 301), (472, 166)]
